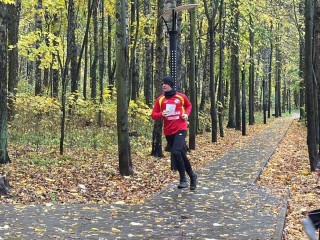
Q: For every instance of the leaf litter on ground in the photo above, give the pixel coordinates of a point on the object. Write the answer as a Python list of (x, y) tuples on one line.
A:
[(289, 171), (92, 176)]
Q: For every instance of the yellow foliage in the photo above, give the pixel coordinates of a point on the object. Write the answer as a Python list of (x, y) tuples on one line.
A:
[(36, 104), (110, 7), (45, 50), (107, 93), (8, 1), (140, 110)]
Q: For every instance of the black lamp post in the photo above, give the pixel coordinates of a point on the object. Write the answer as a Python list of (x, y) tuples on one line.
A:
[(173, 37)]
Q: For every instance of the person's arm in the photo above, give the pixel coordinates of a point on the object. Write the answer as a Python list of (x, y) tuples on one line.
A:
[(187, 108), (156, 111)]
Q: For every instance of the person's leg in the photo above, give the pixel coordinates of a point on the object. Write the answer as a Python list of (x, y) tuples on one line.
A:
[(315, 217), (170, 140), (193, 176), (186, 163), (176, 152), (182, 160), (311, 223)]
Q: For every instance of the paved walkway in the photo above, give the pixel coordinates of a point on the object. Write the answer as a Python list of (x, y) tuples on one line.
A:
[(227, 204)]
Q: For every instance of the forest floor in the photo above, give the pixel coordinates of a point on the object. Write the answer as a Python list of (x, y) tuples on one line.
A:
[(289, 170), (91, 176)]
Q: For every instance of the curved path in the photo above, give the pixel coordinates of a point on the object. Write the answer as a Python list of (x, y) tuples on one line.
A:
[(227, 204)]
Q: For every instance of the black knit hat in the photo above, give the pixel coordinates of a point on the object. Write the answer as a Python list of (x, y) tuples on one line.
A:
[(168, 80)]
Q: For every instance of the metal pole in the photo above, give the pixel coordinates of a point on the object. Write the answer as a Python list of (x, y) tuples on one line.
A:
[(173, 35)]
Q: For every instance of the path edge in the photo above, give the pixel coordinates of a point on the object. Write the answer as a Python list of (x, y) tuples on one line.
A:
[(282, 215)]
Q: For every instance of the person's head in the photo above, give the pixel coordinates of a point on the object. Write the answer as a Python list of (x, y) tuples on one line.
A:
[(167, 83)]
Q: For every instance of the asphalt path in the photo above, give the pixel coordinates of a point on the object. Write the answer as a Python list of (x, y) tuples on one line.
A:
[(227, 204)]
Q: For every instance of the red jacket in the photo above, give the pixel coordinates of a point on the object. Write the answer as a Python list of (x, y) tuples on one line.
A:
[(177, 105)]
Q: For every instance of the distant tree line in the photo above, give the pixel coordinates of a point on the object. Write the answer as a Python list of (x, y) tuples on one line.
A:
[(84, 47)]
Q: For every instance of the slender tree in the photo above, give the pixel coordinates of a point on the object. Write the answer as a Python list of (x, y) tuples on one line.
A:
[(65, 76), (235, 63), (251, 74), (309, 79), (270, 75), (243, 99), (111, 65), (221, 67), (4, 157), (159, 74), (148, 77), (73, 50), (205, 83), (183, 85), (84, 49), (94, 65), (13, 59), (101, 59), (38, 25), (316, 65), (278, 78), (55, 60), (299, 26), (192, 79), (133, 71), (234, 68), (211, 14), (125, 162)]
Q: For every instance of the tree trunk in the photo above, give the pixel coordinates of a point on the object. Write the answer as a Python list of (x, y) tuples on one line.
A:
[(302, 97), (278, 80), (13, 58), (181, 72), (211, 33), (73, 50), (85, 72), (213, 107), (133, 80), (300, 102), (4, 157), (234, 80), (205, 82), (270, 77), (221, 68), (159, 74), (125, 162), (109, 62), (38, 25), (309, 79), (284, 96), (244, 107), (93, 69), (235, 65), (55, 59), (231, 117), (148, 79), (85, 49), (65, 76), (46, 71), (192, 80), (316, 65), (251, 75), (101, 60)]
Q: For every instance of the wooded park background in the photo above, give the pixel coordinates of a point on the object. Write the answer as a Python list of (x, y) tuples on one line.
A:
[(84, 74)]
